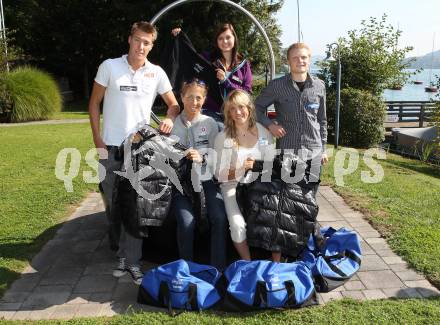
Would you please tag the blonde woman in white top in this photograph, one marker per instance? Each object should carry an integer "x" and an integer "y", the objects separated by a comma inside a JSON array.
[{"x": 241, "y": 143}]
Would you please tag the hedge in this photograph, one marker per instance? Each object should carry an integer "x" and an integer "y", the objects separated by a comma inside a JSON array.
[{"x": 361, "y": 118}]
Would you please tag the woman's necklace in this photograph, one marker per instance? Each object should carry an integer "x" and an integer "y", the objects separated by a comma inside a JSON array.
[{"x": 242, "y": 133}]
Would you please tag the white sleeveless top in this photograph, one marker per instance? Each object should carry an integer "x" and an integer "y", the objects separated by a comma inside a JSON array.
[
  {"x": 243, "y": 153},
  {"x": 228, "y": 157}
]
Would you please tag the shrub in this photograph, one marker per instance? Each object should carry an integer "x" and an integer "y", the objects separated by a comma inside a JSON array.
[
  {"x": 436, "y": 115},
  {"x": 370, "y": 58},
  {"x": 32, "y": 94},
  {"x": 436, "y": 122},
  {"x": 361, "y": 118},
  {"x": 5, "y": 103},
  {"x": 258, "y": 84}
]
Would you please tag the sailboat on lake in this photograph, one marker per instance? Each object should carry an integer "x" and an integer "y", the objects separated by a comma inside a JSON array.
[{"x": 431, "y": 88}]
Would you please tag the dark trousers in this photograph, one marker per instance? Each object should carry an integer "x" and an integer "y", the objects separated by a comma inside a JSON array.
[{"x": 127, "y": 246}]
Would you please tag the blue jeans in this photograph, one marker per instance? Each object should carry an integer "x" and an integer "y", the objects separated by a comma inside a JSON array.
[{"x": 186, "y": 224}]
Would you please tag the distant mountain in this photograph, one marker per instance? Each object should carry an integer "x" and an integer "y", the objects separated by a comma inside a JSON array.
[{"x": 425, "y": 61}]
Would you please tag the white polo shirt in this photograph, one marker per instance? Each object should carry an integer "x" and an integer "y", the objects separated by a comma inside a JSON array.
[{"x": 129, "y": 96}]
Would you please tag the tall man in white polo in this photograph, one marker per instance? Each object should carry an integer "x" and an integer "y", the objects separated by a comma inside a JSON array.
[{"x": 128, "y": 85}]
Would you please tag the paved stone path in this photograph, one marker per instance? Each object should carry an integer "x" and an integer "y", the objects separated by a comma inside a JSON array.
[
  {"x": 71, "y": 276},
  {"x": 64, "y": 121}
]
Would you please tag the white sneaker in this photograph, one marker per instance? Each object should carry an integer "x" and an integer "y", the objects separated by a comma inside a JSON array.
[
  {"x": 121, "y": 268},
  {"x": 136, "y": 274}
]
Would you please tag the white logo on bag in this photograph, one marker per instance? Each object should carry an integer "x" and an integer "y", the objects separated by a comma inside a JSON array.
[
  {"x": 177, "y": 284},
  {"x": 274, "y": 280}
]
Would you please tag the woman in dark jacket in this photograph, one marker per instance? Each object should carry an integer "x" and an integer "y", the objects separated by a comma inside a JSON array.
[{"x": 233, "y": 71}]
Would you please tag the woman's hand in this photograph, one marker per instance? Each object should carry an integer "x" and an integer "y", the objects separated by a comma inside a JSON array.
[
  {"x": 193, "y": 154},
  {"x": 176, "y": 31},
  {"x": 249, "y": 164},
  {"x": 221, "y": 75}
]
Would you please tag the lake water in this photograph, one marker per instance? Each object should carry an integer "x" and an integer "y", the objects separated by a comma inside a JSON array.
[{"x": 410, "y": 91}]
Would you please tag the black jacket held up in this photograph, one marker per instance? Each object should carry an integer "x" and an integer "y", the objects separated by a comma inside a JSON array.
[
  {"x": 145, "y": 201},
  {"x": 181, "y": 62}
]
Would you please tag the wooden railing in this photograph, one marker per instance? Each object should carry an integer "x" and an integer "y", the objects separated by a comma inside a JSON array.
[{"x": 409, "y": 111}]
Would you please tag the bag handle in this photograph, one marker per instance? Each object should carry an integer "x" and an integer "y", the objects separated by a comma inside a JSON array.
[
  {"x": 346, "y": 253},
  {"x": 212, "y": 271},
  {"x": 335, "y": 269},
  {"x": 192, "y": 297},
  {"x": 330, "y": 232},
  {"x": 291, "y": 299},
  {"x": 260, "y": 294},
  {"x": 164, "y": 297}
]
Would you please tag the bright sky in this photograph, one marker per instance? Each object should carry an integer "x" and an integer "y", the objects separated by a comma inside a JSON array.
[{"x": 323, "y": 21}]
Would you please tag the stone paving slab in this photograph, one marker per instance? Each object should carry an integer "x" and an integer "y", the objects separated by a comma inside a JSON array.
[
  {"x": 71, "y": 276},
  {"x": 63, "y": 121}
]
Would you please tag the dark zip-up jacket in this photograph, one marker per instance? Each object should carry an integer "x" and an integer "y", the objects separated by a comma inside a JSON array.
[
  {"x": 136, "y": 210},
  {"x": 280, "y": 216}
]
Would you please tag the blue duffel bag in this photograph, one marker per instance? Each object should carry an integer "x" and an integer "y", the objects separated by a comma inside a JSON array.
[
  {"x": 181, "y": 285},
  {"x": 334, "y": 258},
  {"x": 265, "y": 284}
]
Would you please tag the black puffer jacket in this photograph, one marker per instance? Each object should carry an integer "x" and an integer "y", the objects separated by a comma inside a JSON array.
[
  {"x": 142, "y": 195},
  {"x": 280, "y": 216}
]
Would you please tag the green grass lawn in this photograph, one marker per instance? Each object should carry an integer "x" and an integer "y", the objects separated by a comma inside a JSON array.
[
  {"x": 404, "y": 206},
  {"x": 79, "y": 110},
  {"x": 32, "y": 199},
  {"x": 69, "y": 115}
]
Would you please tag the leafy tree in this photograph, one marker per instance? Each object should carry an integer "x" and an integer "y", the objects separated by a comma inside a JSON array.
[
  {"x": 370, "y": 58},
  {"x": 9, "y": 54},
  {"x": 207, "y": 16},
  {"x": 71, "y": 37}
]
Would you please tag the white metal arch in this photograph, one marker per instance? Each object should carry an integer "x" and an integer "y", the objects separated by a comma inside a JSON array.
[{"x": 228, "y": 2}]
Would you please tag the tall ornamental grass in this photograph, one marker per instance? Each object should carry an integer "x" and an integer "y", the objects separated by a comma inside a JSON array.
[{"x": 33, "y": 94}]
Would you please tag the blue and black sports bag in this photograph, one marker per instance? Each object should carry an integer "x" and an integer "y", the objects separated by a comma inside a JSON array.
[
  {"x": 265, "y": 284},
  {"x": 181, "y": 285},
  {"x": 335, "y": 259}
]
